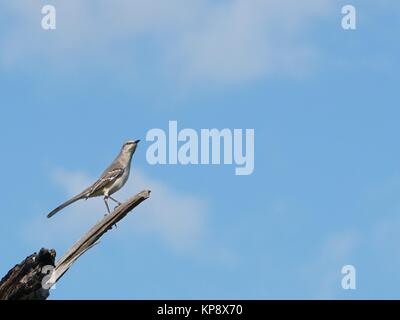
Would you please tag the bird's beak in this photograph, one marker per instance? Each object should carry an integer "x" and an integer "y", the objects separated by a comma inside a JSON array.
[{"x": 137, "y": 141}]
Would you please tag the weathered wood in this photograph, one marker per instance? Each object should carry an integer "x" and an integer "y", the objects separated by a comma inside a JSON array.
[
  {"x": 25, "y": 281},
  {"x": 95, "y": 233}
]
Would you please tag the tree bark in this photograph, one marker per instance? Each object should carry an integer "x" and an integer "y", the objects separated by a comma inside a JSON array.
[{"x": 26, "y": 281}]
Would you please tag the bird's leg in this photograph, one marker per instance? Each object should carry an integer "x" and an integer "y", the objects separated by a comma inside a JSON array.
[
  {"x": 106, "y": 202},
  {"x": 116, "y": 201},
  {"x": 118, "y": 204}
]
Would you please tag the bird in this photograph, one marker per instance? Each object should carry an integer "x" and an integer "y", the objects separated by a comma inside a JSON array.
[{"x": 110, "y": 181}]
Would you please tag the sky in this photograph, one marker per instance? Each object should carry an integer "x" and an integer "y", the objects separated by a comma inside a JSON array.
[{"x": 324, "y": 106}]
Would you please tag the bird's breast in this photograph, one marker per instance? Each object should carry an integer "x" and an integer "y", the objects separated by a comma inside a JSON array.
[{"x": 119, "y": 183}]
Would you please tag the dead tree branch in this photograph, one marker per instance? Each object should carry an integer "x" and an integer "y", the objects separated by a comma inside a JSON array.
[
  {"x": 94, "y": 234},
  {"x": 24, "y": 281}
]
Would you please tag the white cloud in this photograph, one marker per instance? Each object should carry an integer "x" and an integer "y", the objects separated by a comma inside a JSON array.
[
  {"x": 221, "y": 41},
  {"x": 244, "y": 40},
  {"x": 177, "y": 219}
]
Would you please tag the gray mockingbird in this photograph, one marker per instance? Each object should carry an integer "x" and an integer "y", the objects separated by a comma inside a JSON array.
[{"x": 112, "y": 179}]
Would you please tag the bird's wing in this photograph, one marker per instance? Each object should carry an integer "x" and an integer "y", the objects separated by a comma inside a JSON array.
[{"x": 107, "y": 177}]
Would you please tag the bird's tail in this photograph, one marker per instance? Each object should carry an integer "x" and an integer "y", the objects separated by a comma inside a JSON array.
[{"x": 65, "y": 204}]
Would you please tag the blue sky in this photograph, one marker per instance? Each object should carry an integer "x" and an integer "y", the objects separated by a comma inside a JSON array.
[{"x": 324, "y": 106}]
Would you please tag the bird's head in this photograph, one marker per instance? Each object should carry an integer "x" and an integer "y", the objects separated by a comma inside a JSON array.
[{"x": 130, "y": 146}]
